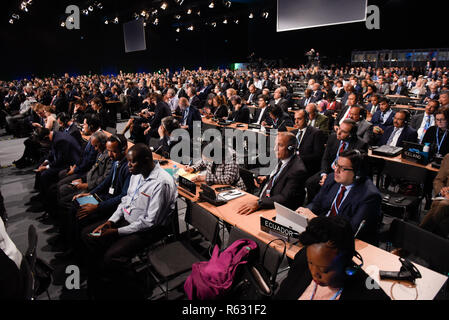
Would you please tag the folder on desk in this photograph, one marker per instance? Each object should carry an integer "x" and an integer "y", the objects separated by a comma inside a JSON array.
[{"x": 231, "y": 194}]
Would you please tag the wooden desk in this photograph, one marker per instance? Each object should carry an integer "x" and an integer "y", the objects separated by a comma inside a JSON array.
[
  {"x": 375, "y": 259},
  {"x": 407, "y": 107},
  {"x": 406, "y": 162}
]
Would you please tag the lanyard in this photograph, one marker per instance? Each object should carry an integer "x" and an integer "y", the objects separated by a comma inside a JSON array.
[
  {"x": 439, "y": 143},
  {"x": 137, "y": 189},
  {"x": 113, "y": 174},
  {"x": 333, "y": 298}
]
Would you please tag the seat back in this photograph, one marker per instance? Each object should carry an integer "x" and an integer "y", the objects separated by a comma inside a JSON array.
[
  {"x": 269, "y": 257},
  {"x": 421, "y": 243},
  {"x": 27, "y": 280},
  {"x": 204, "y": 222}
]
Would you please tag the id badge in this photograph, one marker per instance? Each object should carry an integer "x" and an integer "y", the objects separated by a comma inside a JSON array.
[
  {"x": 268, "y": 193},
  {"x": 111, "y": 190}
]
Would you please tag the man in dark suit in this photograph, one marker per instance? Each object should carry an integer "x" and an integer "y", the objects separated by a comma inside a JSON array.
[
  {"x": 262, "y": 113},
  {"x": 424, "y": 120},
  {"x": 285, "y": 185},
  {"x": 266, "y": 82},
  {"x": 302, "y": 104},
  {"x": 279, "y": 100},
  {"x": 280, "y": 119},
  {"x": 432, "y": 93},
  {"x": 194, "y": 101},
  {"x": 189, "y": 114},
  {"x": 317, "y": 94},
  {"x": 310, "y": 142},
  {"x": 364, "y": 128},
  {"x": 344, "y": 139},
  {"x": 241, "y": 111},
  {"x": 348, "y": 90},
  {"x": 382, "y": 118},
  {"x": 65, "y": 152},
  {"x": 166, "y": 142},
  {"x": 161, "y": 111},
  {"x": 400, "y": 131},
  {"x": 400, "y": 89},
  {"x": 60, "y": 102},
  {"x": 68, "y": 125},
  {"x": 251, "y": 95},
  {"x": 205, "y": 90},
  {"x": 347, "y": 193}
]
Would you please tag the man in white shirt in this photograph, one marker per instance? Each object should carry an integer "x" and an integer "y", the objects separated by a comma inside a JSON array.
[
  {"x": 142, "y": 217},
  {"x": 172, "y": 99}
]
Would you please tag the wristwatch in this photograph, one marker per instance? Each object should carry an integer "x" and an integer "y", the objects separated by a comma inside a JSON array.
[{"x": 259, "y": 203}]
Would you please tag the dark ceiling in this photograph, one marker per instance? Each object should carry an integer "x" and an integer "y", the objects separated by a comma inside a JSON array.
[{"x": 37, "y": 44}]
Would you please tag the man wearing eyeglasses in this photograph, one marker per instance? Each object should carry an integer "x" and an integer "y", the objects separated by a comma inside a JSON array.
[{"x": 348, "y": 193}]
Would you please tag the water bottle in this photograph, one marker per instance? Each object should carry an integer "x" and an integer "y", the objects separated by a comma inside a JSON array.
[{"x": 175, "y": 173}]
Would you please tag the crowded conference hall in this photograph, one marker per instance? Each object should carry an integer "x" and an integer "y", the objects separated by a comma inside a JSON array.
[{"x": 240, "y": 151}]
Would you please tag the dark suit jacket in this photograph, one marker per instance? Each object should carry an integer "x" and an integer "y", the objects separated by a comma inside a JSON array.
[
  {"x": 416, "y": 120},
  {"x": 254, "y": 97},
  {"x": 121, "y": 183},
  {"x": 430, "y": 137},
  {"x": 242, "y": 115},
  {"x": 193, "y": 115},
  {"x": 65, "y": 151},
  {"x": 221, "y": 112},
  {"x": 283, "y": 122},
  {"x": 330, "y": 153},
  {"x": 288, "y": 188},
  {"x": 265, "y": 116},
  {"x": 196, "y": 102},
  {"x": 75, "y": 132},
  {"x": 311, "y": 149},
  {"x": 161, "y": 111},
  {"x": 61, "y": 104},
  {"x": 283, "y": 103},
  {"x": 403, "y": 91},
  {"x": 407, "y": 134},
  {"x": 303, "y": 102},
  {"x": 299, "y": 278},
  {"x": 88, "y": 159},
  {"x": 164, "y": 146},
  {"x": 317, "y": 96},
  {"x": 375, "y": 120},
  {"x": 361, "y": 203}
]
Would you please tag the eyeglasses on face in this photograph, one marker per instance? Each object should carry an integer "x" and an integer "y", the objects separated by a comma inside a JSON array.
[{"x": 339, "y": 167}]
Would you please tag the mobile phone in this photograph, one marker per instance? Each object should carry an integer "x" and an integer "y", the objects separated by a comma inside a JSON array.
[
  {"x": 95, "y": 234},
  {"x": 220, "y": 189}
]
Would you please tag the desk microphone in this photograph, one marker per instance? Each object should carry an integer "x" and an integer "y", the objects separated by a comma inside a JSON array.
[{"x": 362, "y": 224}]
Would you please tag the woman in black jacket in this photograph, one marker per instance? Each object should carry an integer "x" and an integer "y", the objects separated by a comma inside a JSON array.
[{"x": 323, "y": 269}]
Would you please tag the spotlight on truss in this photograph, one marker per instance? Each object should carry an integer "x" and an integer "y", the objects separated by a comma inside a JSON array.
[
  {"x": 85, "y": 12},
  {"x": 265, "y": 15},
  {"x": 143, "y": 13},
  {"x": 116, "y": 20},
  {"x": 251, "y": 15},
  {"x": 177, "y": 17},
  {"x": 11, "y": 21},
  {"x": 178, "y": 30},
  {"x": 91, "y": 8},
  {"x": 225, "y": 21},
  {"x": 227, "y": 4},
  {"x": 164, "y": 5},
  {"x": 211, "y": 5},
  {"x": 190, "y": 28},
  {"x": 189, "y": 11}
]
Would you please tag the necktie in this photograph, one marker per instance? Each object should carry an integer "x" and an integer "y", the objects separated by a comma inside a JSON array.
[
  {"x": 299, "y": 136},
  {"x": 382, "y": 115},
  {"x": 185, "y": 117},
  {"x": 390, "y": 139},
  {"x": 267, "y": 191},
  {"x": 337, "y": 203},
  {"x": 340, "y": 150}
]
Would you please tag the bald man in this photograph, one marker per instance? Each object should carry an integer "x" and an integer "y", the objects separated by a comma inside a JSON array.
[{"x": 285, "y": 184}]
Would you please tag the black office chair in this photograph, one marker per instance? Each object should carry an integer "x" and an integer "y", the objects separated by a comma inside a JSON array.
[
  {"x": 392, "y": 180},
  {"x": 173, "y": 259},
  {"x": 421, "y": 245},
  {"x": 40, "y": 271},
  {"x": 270, "y": 259}
]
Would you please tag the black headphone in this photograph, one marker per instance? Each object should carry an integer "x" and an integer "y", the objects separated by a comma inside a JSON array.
[
  {"x": 292, "y": 147},
  {"x": 407, "y": 116},
  {"x": 121, "y": 140},
  {"x": 358, "y": 173}
]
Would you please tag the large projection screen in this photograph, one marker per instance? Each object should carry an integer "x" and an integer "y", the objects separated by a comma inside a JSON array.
[
  {"x": 303, "y": 14},
  {"x": 134, "y": 35}
]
